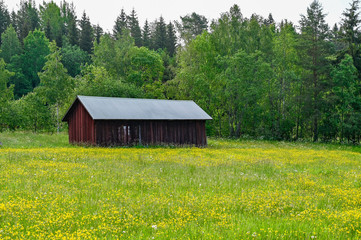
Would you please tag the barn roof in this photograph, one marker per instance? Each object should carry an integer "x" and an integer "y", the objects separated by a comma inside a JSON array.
[{"x": 111, "y": 108}]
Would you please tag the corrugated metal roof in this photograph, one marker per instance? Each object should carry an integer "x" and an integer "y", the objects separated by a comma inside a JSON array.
[{"x": 110, "y": 108}]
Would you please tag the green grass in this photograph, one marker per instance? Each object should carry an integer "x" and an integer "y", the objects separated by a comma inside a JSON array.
[{"x": 230, "y": 190}]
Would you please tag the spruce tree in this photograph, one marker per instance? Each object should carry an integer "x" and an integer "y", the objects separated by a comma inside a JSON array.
[
  {"x": 160, "y": 35},
  {"x": 135, "y": 31},
  {"x": 98, "y": 32},
  {"x": 27, "y": 19},
  {"x": 4, "y": 18},
  {"x": 146, "y": 38},
  {"x": 350, "y": 33},
  {"x": 171, "y": 39},
  {"x": 120, "y": 24},
  {"x": 86, "y": 34}
]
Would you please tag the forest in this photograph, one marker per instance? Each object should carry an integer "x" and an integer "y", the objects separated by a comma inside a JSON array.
[{"x": 257, "y": 78}]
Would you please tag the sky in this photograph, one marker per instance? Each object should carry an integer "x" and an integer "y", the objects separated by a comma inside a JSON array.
[{"x": 105, "y": 12}]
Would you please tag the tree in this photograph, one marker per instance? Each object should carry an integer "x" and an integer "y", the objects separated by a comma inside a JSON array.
[
  {"x": 96, "y": 81},
  {"x": 347, "y": 100},
  {"x": 56, "y": 85},
  {"x": 113, "y": 54},
  {"x": 171, "y": 44},
  {"x": 135, "y": 31},
  {"x": 70, "y": 21},
  {"x": 30, "y": 62},
  {"x": 52, "y": 22},
  {"x": 146, "y": 71},
  {"x": 146, "y": 38},
  {"x": 284, "y": 105},
  {"x": 10, "y": 44},
  {"x": 120, "y": 24},
  {"x": 4, "y": 18},
  {"x": 35, "y": 114},
  {"x": 6, "y": 94},
  {"x": 98, "y": 32},
  {"x": 159, "y": 36},
  {"x": 315, "y": 49},
  {"x": 191, "y": 26},
  {"x": 73, "y": 59},
  {"x": 86, "y": 34},
  {"x": 350, "y": 33},
  {"x": 27, "y": 18}
]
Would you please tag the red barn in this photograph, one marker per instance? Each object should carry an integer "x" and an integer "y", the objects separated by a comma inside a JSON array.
[{"x": 127, "y": 121}]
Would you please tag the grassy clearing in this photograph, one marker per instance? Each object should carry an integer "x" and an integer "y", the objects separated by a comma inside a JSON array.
[{"x": 231, "y": 190}]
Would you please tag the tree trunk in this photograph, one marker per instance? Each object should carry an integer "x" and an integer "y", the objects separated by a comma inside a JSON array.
[{"x": 57, "y": 118}]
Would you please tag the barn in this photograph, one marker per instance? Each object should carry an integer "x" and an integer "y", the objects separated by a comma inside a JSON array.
[{"x": 107, "y": 121}]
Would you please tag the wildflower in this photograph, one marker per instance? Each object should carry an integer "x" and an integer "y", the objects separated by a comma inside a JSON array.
[{"x": 154, "y": 227}]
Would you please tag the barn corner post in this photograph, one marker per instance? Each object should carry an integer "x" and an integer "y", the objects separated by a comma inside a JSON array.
[{"x": 109, "y": 121}]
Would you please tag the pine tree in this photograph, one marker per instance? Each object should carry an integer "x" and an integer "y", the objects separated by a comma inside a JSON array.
[
  {"x": 135, "y": 31},
  {"x": 315, "y": 49},
  {"x": 146, "y": 38},
  {"x": 86, "y": 34},
  {"x": 171, "y": 39},
  {"x": 160, "y": 35},
  {"x": 120, "y": 24},
  {"x": 191, "y": 26}
]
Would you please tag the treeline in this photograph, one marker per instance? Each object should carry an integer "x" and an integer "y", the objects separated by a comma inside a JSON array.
[{"x": 254, "y": 76}]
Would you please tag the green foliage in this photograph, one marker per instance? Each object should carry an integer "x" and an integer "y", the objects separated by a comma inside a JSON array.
[
  {"x": 27, "y": 18},
  {"x": 191, "y": 26},
  {"x": 4, "y": 19},
  {"x": 10, "y": 44},
  {"x": 96, "y": 81},
  {"x": 159, "y": 36},
  {"x": 36, "y": 48},
  {"x": 346, "y": 99},
  {"x": 73, "y": 58},
  {"x": 6, "y": 94},
  {"x": 52, "y": 22},
  {"x": 314, "y": 51},
  {"x": 171, "y": 45},
  {"x": 56, "y": 85},
  {"x": 134, "y": 27},
  {"x": 86, "y": 34},
  {"x": 120, "y": 25},
  {"x": 34, "y": 114}
]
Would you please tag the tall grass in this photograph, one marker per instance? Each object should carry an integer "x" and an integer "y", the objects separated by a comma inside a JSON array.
[{"x": 230, "y": 190}]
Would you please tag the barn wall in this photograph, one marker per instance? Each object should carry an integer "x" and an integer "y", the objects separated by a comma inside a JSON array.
[
  {"x": 81, "y": 126},
  {"x": 150, "y": 132}
]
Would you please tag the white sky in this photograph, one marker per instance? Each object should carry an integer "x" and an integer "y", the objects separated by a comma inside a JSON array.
[{"x": 104, "y": 12}]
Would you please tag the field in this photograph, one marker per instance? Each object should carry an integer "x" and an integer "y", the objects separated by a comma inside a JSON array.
[{"x": 230, "y": 190}]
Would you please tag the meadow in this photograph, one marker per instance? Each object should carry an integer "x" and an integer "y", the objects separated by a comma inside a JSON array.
[{"x": 233, "y": 189}]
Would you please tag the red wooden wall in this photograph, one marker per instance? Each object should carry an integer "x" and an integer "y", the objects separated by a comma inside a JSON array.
[
  {"x": 151, "y": 132},
  {"x": 81, "y": 125}
]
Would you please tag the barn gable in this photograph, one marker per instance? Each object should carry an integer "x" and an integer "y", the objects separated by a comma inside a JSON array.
[{"x": 127, "y": 121}]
